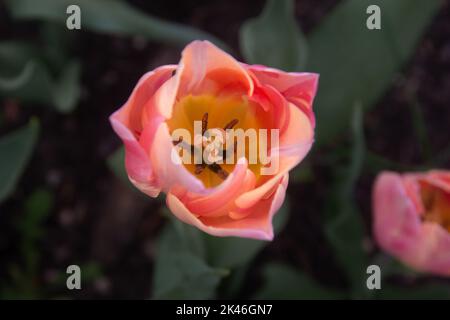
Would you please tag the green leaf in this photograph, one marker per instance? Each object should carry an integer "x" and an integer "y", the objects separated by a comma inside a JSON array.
[
  {"x": 26, "y": 77},
  {"x": 20, "y": 80},
  {"x": 232, "y": 252},
  {"x": 67, "y": 90},
  {"x": 109, "y": 16},
  {"x": 344, "y": 227},
  {"x": 359, "y": 64},
  {"x": 274, "y": 38},
  {"x": 181, "y": 271},
  {"x": 15, "y": 152},
  {"x": 284, "y": 282}
]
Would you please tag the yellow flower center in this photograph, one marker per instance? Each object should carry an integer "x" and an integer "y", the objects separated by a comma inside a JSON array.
[
  {"x": 219, "y": 113},
  {"x": 437, "y": 205}
]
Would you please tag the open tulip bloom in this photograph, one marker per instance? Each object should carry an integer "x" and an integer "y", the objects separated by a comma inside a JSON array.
[
  {"x": 218, "y": 137},
  {"x": 412, "y": 218}
]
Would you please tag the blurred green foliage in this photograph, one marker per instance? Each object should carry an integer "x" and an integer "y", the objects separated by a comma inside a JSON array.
[
  {"x": 191, "y": 264},
  {"x": 359, "y": 64},
  {"x": 181, "y": 271},
  {"x": 113, "y": 17},
  {"x": 25, "y": 75},
  {"x": 274, "y": 38},
  {"x": 285, "y": 282},
  {"x": 344, "y": 226}
]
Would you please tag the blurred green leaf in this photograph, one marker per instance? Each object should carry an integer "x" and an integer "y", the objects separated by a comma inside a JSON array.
[
  {"x": 232, "y": 252},
  {"x": 284, "y": 282},
  {"x": 67, "y": 90},
  {"x": 344, "y": 227},
  {"x": 15, "y": 152},
  {"x": 110, "y": 16},
  {"x": 180, "y": 270},
  {"x": 437, "y": 291},
  {"x": 25, "y": 76},
  {"x": 116, "y": 163},
  {"x": 18, "y": 81},
  {"x": 274, "y": 38},
  {"x": 356, "y": 63}
]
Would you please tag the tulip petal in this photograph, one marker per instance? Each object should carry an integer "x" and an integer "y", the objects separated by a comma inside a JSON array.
[
  {"x": 201, "y": 61},
  {"x": 127, "y": 124},
  {"x": 257, "y": 225},
  {"x": 398, "y": 227}
]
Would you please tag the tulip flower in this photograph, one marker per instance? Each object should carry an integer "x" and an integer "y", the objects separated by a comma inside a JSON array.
[
  {"x": 175, "y": 127},
  {"x": 412, "y": 218}
]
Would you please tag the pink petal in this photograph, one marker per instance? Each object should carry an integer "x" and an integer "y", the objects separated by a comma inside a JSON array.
[
  {"x": 399, "y": 230},
  {"x": 202, "y": 63},
  {"x": 127, "y": 124},
  {"x": 298, "y": 88},
  {"x": 295, "y": 144},
  {"x": 257, "y": 225},
  {"x": 213, "y": 203}
]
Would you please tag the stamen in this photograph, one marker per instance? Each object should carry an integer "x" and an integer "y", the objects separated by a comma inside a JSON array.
[
  {"x": 199, "y": 168},
  {"x": 231, "y": 124},
  {"x": 180, "y": 139},
  {"x": 217, "y": 169},
  {"x": 204, "y": 123}
]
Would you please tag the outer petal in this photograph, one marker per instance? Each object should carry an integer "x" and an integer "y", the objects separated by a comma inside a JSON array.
[
  {"x": 127, "y": 123},
  {"x": 298, "y": 88},
  {"x": 396, "y": 220},
  {"x": 203, "y": 67},
  {"x": 257, "y": 225}
]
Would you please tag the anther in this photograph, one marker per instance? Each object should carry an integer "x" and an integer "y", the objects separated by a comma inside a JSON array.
[
  {"x": 231, "y": 124},
  {"x": 199, "y": 168},
  {"x": 204, "y": 123},
  {"x": 217, "y": 169}
]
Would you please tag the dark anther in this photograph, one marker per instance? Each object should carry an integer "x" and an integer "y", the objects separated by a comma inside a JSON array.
[
  {"x": 180, "y": 139},
  {"x": 217, "y": 169},
  {"x": 204, "y": 123},
  {"x": 199, "y": 168},
  {"x": 231, "y": 124}
]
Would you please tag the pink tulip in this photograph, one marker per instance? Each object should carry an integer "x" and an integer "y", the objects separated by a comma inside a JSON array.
[
  {"x": 412, "y": 219},
  {"x": 209, "y": 84}
]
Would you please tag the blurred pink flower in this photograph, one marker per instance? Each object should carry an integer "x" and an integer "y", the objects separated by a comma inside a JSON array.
[
  {"x": 209, "y": 85},
  {"x": 412, "y": 218}
]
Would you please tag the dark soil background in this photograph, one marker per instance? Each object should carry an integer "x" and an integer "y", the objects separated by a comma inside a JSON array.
[{"x": 96, "y": 217}]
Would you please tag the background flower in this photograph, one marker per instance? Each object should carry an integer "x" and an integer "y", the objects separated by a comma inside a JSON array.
[{"x": 412, "y": 218}]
